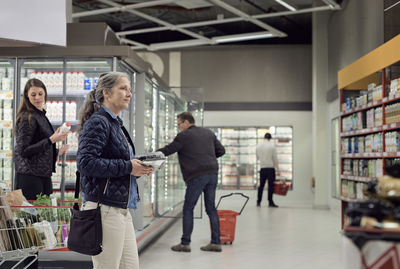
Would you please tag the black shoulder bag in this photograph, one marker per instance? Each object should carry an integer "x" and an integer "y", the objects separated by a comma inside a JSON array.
[{"x": 85, "y": 232}]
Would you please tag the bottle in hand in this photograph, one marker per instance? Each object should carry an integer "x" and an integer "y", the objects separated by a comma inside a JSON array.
[{"x": 65, "y": 127}]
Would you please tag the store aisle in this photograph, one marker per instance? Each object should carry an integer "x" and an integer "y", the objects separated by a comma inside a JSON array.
[{"x": 285, "y": 238}]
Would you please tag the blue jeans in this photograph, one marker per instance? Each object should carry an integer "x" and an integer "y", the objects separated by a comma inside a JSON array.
[{"x": 194, "y": 188}]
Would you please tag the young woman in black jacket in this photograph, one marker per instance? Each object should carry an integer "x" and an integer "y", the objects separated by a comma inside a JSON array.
[{"x": 35, "y": 151}]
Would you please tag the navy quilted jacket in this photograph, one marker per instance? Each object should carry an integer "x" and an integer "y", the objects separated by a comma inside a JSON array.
[{"x": 103, "y": 154}]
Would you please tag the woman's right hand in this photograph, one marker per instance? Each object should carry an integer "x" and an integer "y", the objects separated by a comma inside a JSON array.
[
  {"x": 58, "y": 136},
  {"x": 138, "y": 169}
]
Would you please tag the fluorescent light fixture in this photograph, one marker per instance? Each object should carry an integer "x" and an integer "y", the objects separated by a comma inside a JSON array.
[
  {"x": 242, "y": 37},
  {"x": 283, "y": 3},
  {"x": 388, "y": 8}
]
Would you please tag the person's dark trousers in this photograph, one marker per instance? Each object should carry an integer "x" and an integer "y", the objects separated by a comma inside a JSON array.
[
  {"x": 194, "y": 188},
  {"x": 266, "y": 173},
  {"x": 33, "y": 185}
]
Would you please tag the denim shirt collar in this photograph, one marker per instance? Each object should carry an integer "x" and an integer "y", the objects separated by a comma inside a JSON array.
[{"x": 109, "y": 112}]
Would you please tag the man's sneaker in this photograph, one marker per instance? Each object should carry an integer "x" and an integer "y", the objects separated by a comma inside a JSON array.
[
  {"x": 181, "y": 248},
  {"x": 212, "y": 247}
]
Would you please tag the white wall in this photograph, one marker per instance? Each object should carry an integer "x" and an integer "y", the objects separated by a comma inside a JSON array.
[{"x": 301, "y": 122}]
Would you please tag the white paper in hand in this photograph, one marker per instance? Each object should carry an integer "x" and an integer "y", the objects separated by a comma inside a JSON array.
[{"x": 154, "y": 159}]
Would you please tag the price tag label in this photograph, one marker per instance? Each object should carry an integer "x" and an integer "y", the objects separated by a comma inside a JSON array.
[
  {"x": 5, "y": 124},
  {"x": 5, "y": 154},
  {"x": 393, "y": 125},
  {"x": 6, "y": 95}
]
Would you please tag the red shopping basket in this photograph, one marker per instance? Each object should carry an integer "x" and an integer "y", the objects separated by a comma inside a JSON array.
[
  {"x": 281, "y": 187},
  {"x": 227, "y": 220}
]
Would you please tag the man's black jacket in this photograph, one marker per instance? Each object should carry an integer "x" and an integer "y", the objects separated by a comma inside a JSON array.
[{"x": 198, "y": 149}]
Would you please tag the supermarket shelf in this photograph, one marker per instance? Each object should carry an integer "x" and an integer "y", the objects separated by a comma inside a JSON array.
[
  {"x": 358, "y": 179},
  {"x": 56, "y": 122},
  {"x": 369, "y": 230},
  {"x": 72, "y": 93},
  {"x": 391, "y": 126},
  {"x": 72, "y": 152},
  {"x": 362, "y": 108},
  {"x": 386, "y": 127},
  {"x": 368, "y": 155},
  {"x": 362, "y": 131},
  {"x": 371, "y": 155}
]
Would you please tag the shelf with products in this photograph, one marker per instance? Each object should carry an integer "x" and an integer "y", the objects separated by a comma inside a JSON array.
[
  {"x": 7, "y": 103},
  {"x": 240, "y": 160},
  {"x": 369, "y": 123}
]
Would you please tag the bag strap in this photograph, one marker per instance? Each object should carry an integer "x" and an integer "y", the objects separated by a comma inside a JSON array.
[{"x": 77, "y": 188}]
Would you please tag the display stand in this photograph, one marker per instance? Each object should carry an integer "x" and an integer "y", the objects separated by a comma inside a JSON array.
[{"x": 370, "y": 134}]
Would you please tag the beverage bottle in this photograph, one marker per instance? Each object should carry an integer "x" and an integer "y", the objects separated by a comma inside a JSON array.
[
  {"x": 73, "y": 110},
  {"x": 68, "y": 110},
  {"x": 69, "y": 81},
  {"x": 81, "y": 81},
  {"x": 65, "y": 127}
]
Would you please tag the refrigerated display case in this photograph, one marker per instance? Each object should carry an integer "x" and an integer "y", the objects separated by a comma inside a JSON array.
[
  {"x": 170, "y": 185},
  {"x": 7, "y": 106},
  {"x": 148, "y": 199},
  {"x": 239, "y": 168}
]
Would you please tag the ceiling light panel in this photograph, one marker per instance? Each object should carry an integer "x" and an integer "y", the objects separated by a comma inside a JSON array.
[{"x": 285, "y": 4}]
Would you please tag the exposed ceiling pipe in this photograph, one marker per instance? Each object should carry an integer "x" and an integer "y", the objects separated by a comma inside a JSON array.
[
  {"x": 247, "y": 17},
  {"x": 161, "y": 22},
  {"x": 120, "y": 8},
  {"x": 229, "y": 20},
  {"x": 332, "y": 4}
]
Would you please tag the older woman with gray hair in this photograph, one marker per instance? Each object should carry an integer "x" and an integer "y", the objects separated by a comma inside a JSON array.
[{"x": 105, "y": 162}]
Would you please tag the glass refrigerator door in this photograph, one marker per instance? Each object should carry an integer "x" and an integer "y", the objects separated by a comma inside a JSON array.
[
  {"x": 230, "y": 161},
  {"x": 6, "y": 122},
  {"x": 284, "y": 146},
  {"x": 247, "y": 158},
  {"x": 149, "y": 146},
  {"x": 81, "y": 77},
  {"x": 166, "y": 133},
  {"x": 282, "y": 136}
]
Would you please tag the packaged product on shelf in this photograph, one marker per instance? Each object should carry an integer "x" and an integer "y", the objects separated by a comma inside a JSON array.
[
  {"x": 88, "y": 83},
  {"x": 81, "y": 81}
]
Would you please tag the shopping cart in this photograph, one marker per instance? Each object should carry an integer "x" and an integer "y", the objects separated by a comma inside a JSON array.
[
  {"x": 27, "y": 229},
  {"x": 227, "y": 220},
  {"x": 18, "y": 242}
]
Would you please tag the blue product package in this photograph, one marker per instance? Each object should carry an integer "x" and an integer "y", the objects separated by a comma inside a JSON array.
[
  {"x": 355, "y": 147},
  {"x": 88, "y": 84}
]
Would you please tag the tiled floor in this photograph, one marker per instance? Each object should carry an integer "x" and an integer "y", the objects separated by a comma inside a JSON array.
[{"x": 285, "y": 238}]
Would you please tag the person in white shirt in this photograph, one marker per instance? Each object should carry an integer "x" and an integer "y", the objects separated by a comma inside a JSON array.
[{"x": 266, "y": 154}]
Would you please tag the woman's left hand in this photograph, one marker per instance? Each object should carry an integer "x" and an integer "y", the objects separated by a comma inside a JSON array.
[{"x": 64, "y": 148}]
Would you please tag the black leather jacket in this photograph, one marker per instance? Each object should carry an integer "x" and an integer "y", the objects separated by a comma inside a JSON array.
[{"x": 34, "y": 153}]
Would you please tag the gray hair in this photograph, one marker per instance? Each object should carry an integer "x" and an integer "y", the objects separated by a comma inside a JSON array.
[{"x": 95, "y": 98}]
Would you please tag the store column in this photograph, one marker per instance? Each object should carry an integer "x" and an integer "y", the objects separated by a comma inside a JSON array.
[
  {"x": 319, "y": 109},
  {"x": 175, "y": 72}
]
